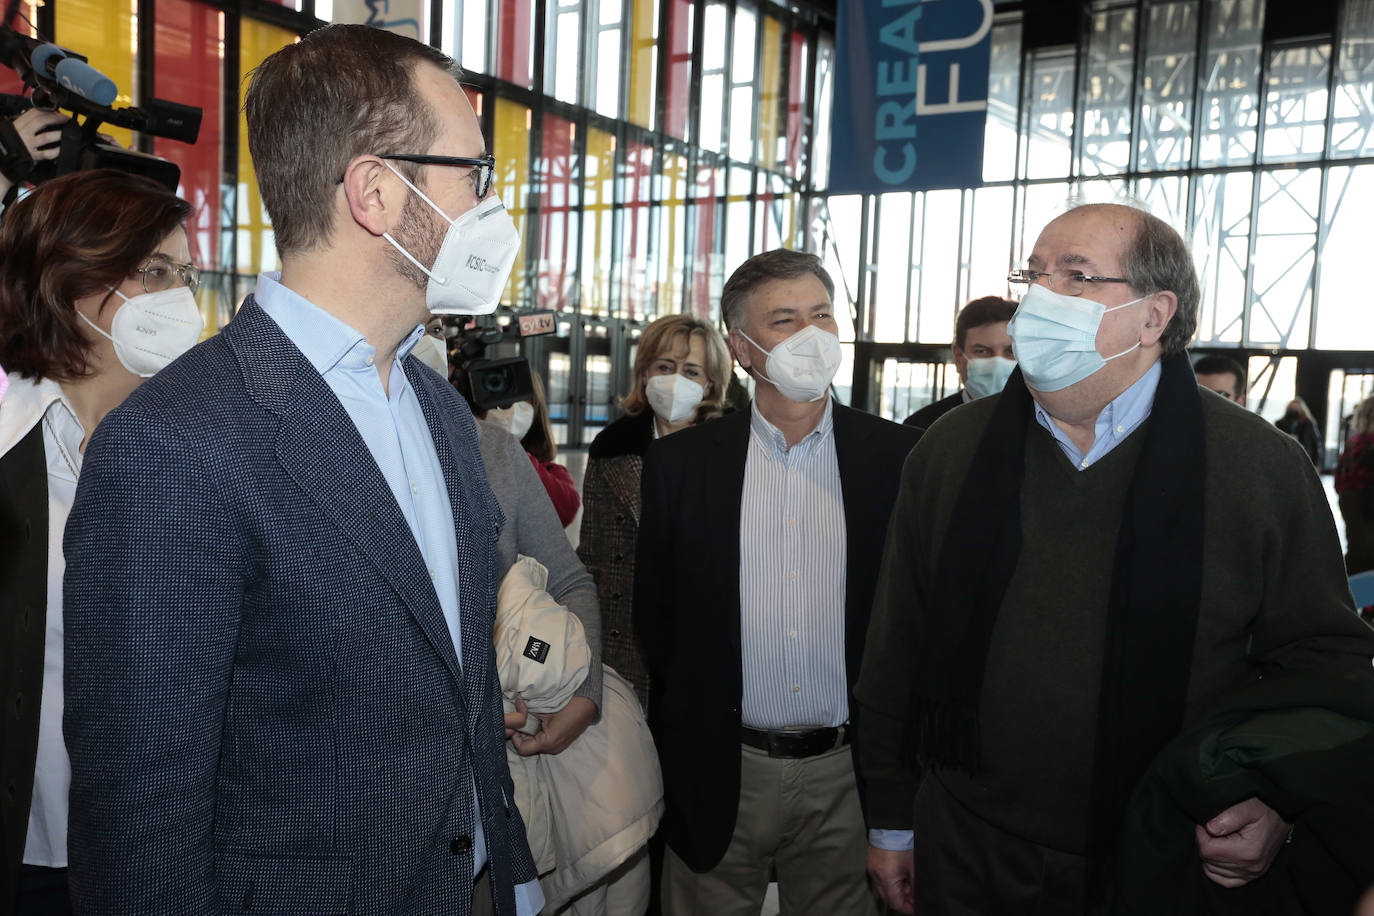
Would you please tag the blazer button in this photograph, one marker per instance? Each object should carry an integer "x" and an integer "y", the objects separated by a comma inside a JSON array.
[
  {"x": 460, "y": 845},
  {"x": 615, "y": 596},
  {"x": 620, "y": 517},
  {"x": 615, "y": 632},
  {"x": 620, "y": 556}
]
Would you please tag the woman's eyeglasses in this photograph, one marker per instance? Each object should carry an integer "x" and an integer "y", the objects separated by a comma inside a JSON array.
[{"x": 160, "y": 273}]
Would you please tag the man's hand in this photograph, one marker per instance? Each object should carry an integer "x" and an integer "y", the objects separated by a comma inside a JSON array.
[
  {"x": 893, "y": 874},
  {"x": 556, "y": 731},
  {"x": 516, "y": 720},
  {"x": 1239, "y": 844}
]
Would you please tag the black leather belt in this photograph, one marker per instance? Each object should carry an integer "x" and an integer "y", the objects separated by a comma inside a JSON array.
[{"x": 795, "y": 743}]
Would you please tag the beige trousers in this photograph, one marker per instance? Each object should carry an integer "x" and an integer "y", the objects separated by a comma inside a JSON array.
[{"x": 798, "y": 819}]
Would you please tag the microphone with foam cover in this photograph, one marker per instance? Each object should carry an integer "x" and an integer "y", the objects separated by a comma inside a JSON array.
[
  {"x": 45, "y": 57},
  {"x": 86, "y": 81},
  {"x": 72, "y": 74}
]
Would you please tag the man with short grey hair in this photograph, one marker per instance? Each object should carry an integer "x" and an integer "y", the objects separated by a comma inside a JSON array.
[
  {"x": 1051, "y": 610},
  {"x": 759, "y": 541}
]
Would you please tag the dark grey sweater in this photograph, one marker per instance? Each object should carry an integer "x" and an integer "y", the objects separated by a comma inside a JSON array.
[{"x": 1274, "y": 595}]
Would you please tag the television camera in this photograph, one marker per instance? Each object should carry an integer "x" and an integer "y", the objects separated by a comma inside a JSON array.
[
  {"x": 58, "y": 78},
  {"x": 490, "y": 384}
]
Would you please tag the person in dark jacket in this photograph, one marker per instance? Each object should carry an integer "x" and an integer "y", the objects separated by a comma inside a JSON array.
[
  {"x": 1298, "y": 422},
  {"x": 70, "y": 274},
  {"x": 983, "y": 357},
  {"x": 758, "y": 548},
  {"x": 681, "y": 373}
]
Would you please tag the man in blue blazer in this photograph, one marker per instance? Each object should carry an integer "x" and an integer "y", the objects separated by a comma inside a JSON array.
[{"x": 280, "y": 691}]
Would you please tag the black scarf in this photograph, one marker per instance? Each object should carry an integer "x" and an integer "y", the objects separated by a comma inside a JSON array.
[{"x": 1155, "y": 590}]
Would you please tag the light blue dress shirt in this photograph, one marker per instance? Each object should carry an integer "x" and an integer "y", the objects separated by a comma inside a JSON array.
[
  {"x": 792, "y": 550},
  {"x": 393, "y": 426},
  {"x": 1118, "y": 420}
]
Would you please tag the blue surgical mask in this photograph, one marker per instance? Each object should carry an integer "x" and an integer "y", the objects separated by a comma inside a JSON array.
[
  {"x": 987, "y": 375},
  {"x": 1055, "y": 337}
]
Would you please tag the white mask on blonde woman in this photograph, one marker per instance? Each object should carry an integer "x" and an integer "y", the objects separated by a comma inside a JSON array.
[{"x": 673, "y": 397}]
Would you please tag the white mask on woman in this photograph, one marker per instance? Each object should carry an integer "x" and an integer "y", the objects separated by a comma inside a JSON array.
[
  {"x": 433, "y": 352},
  {"x": 515, "y": 419},
  {"x": 673, "y": 397},
  {"x": 152, "y": 329}
]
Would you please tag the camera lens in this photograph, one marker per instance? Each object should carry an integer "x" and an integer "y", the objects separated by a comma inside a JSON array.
[{"x": 498, "y": 382}]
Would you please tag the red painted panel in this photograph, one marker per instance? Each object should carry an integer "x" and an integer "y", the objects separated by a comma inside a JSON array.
[{"x": 188, "y": 69}]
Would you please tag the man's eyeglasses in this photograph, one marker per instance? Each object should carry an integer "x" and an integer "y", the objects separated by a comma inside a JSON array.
[
  {"x": 161, "y": 273},
  {"x": 483, "y": 169},
  {"x": 1065, "y": 281}
]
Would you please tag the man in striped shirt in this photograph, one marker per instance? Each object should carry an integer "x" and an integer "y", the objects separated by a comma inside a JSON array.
[{"x": 759, "y": 542}]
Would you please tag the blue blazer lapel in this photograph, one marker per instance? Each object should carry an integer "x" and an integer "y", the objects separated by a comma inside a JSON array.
[
  {"x": 321, "y": 450},
  {"x": 477, "y": 519}
]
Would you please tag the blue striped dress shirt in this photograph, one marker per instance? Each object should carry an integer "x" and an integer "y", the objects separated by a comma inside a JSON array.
[{"x": 792, "y": 549}]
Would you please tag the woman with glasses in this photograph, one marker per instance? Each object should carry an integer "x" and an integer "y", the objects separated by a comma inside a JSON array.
[{"x": 96, "y": 294}]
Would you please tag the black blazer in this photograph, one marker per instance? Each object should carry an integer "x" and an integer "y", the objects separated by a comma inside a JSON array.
[
  {"x": 23, "y": 626},
  {"x": 686, "y": 602},
  {"x": 927, "y": 415}
]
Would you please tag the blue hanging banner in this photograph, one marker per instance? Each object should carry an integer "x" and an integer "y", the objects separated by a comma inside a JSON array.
[{"x": 911, "y": 95}]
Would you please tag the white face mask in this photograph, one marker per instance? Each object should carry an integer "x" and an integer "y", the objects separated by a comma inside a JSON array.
[
  {"x": 474, "y": 260},
  {"x": 433, "y": 352},
  {"x": 515, "y": 419},
  {"x": 152, "y": 329},
  {"x": 673, "y": 397},
  {"x": 1055, "y": 337},
  {"x": 988, "y": 375},
  {"x": 803, "y": 365}
]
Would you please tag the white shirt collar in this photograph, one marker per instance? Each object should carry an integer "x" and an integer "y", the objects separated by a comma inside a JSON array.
[{"x": 25, "y": 403}]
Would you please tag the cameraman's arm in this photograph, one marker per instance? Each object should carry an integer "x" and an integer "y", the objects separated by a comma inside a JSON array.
[{"x": 32, "y": 127}]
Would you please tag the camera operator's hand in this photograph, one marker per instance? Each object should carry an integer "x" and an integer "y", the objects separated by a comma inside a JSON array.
[{"x": 32, "y": 127}]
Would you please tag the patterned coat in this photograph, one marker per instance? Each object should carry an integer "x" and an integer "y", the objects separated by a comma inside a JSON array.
[
  {"x": 264, "y": 708},
  {"x": 610, "y": 528}
]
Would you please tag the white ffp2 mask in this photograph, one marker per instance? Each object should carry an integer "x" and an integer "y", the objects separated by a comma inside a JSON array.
[
  {"x": 474, "y": 260},
  {"x": 673, "y": 397},
  {"x": 802, "y": 366},
  {"x": 152, "y": 329}
]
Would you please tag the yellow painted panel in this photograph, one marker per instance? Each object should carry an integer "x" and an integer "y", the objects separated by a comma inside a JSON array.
[
  {"x": 257, "y": 249},
  {"x": 643, "y": 56},
  {"x": 105, "y": 31},
  {"x": 770, "y": 97},
  {"x": 512, "y": 151},
  {"x": 598, "y": 200}
]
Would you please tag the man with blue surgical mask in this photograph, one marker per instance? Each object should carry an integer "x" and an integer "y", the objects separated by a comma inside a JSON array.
[
  {"x": 983, "y": 357},
  {"x": 284, "y": 697},
  {"x": 759, "y": 540},
  {"x": 1050, "y": 614}
]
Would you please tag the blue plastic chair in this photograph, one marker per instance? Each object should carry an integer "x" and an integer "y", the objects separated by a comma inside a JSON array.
[{"x": 1362, "y": 587}]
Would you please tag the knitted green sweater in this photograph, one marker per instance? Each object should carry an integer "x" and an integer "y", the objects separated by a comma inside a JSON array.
[{"x": 1274, "y": 596}]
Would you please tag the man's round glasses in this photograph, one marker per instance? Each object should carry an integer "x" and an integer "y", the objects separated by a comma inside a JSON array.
[
  {"x": 1065, "y": 281},
  {"x": 483, "y": 169},
  {"x": 161, "y": 273}
]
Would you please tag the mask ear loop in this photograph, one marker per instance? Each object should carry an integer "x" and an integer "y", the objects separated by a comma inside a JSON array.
[
  {"x": 442, "y": 281},
  {"x": 1138, "y": 344}
]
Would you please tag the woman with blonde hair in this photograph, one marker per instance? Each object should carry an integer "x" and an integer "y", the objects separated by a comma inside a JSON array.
[{"x": 681, "y": 371}]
